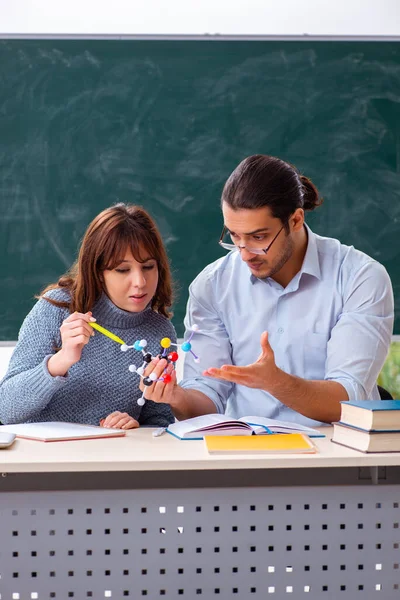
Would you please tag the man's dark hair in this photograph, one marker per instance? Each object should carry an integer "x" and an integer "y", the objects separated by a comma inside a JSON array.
[{"x": 262, "y": 180}]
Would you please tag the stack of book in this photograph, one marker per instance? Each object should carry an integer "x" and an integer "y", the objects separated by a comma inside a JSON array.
[{"x": 369, "y": 426}]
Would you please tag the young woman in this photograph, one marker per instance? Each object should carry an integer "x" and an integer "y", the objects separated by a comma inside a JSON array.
[{"x": 64, "y": 370}]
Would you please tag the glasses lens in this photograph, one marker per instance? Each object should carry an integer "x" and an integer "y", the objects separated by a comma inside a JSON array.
[
  {"x": 259, "y": 251},
  {"x": 227, "y": 243},
  {"x": 228, "y": 246}
]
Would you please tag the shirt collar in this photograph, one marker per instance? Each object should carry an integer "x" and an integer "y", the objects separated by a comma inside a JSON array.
[{"x": 311, "y": 260}]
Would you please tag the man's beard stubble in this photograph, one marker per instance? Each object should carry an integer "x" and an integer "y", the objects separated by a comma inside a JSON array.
[{"x": 281, "y": 260}]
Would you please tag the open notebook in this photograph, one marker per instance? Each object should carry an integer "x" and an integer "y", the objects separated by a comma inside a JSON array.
[
  {"x": 215, "y": 424},
  {"x": 57, "y": 431}
]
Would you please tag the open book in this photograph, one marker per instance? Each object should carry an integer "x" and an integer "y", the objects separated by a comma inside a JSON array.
[
  {"x": 57, "y": 431},
  {"x": 215, "y": 424}
]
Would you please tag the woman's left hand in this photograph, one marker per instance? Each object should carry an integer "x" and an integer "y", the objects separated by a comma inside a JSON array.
[{"x": 119, "y": 420}]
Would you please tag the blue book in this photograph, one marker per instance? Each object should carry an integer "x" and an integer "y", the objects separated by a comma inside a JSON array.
[{"x": 371, "y": 414}]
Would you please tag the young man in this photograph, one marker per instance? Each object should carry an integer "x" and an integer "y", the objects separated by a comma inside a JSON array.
[{"x": 321, "y": 311}]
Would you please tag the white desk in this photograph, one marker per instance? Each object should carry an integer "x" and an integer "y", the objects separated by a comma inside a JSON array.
[
  {"x": 150, "y": 517},
  {"x": 140, "y": 451}
]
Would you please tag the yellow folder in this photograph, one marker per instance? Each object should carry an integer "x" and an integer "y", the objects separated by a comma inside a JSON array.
[{"x": 277, "y": 443}]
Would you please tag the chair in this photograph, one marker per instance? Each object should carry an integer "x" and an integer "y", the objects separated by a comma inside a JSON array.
[{"x": 384, "y": 394}]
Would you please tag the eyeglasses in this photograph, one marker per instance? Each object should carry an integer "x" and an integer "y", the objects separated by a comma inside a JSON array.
[{"x": 251, "y": 250}]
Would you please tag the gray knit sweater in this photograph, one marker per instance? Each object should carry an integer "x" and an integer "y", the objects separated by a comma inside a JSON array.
[{"x": 94, "y": 387}]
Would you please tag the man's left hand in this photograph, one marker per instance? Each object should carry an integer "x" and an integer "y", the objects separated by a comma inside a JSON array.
[{"x": 258, "y": 375}]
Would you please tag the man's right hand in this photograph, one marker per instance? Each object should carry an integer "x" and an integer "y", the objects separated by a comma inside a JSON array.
[{"x": 75, "y": 334}]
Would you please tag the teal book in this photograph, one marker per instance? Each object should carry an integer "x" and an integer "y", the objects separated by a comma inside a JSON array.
[{"x": 371, "y": 414}]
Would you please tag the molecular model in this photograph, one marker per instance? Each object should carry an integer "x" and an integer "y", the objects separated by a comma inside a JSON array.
[{"x": 166, "y": 353}]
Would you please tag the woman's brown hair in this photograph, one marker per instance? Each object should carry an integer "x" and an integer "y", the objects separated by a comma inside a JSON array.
[{"x": 108, "y": 237}]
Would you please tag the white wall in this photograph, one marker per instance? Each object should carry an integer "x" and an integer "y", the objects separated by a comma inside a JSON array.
[
  {"x": 5, "y": 355},
  {"x": 229, "y": 17}
]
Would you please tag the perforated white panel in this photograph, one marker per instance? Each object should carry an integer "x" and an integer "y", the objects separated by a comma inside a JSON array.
[{"x": 308, "y": 542}]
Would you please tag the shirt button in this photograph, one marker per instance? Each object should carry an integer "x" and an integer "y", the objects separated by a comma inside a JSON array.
[{"x": 280, "y": 330}]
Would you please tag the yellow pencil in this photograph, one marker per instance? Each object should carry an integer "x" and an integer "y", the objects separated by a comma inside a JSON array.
[{"x": 105, "y": 331}]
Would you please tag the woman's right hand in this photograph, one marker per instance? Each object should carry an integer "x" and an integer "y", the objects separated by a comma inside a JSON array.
[
  {"x": 75, "y": 334},
  {"x": 160, "y": 391}
]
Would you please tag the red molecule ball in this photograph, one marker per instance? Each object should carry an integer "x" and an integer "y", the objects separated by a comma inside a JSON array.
[
  {"x": 166, "y": 378},
  {"x": 173, "y": 356}
]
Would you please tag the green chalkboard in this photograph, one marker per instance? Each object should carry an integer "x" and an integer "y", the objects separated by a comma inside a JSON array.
[{"x": 162, "y": 123}]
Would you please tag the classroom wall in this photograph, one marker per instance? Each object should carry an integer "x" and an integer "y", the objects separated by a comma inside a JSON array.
[
  {"x": 5, "y": 355},
  {"x": 182, "y": 17},
  {"x": 225, "y": 17}
]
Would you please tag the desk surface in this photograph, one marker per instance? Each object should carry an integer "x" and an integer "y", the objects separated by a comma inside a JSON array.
[{"x": 140, "y": 451}]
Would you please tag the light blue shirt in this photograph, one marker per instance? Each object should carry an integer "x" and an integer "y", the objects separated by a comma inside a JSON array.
[{"x": 333, "y": 321}]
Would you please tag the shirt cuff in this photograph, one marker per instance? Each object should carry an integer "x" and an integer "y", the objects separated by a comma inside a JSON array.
[
  {"x": 200, "y": 386},
  {"x": 354, "y": 390}
]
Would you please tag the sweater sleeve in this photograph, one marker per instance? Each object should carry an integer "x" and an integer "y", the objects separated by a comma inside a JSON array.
[
  {"x": 28, "y": 387},
  {"x": 156, "y": 414}
]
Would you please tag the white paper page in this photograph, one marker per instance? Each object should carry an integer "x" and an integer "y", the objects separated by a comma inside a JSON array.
[
  {"x": 54, "y": 430},
  {"x": 275, "y": 424},
  {"x": 181, "y": 427}
]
